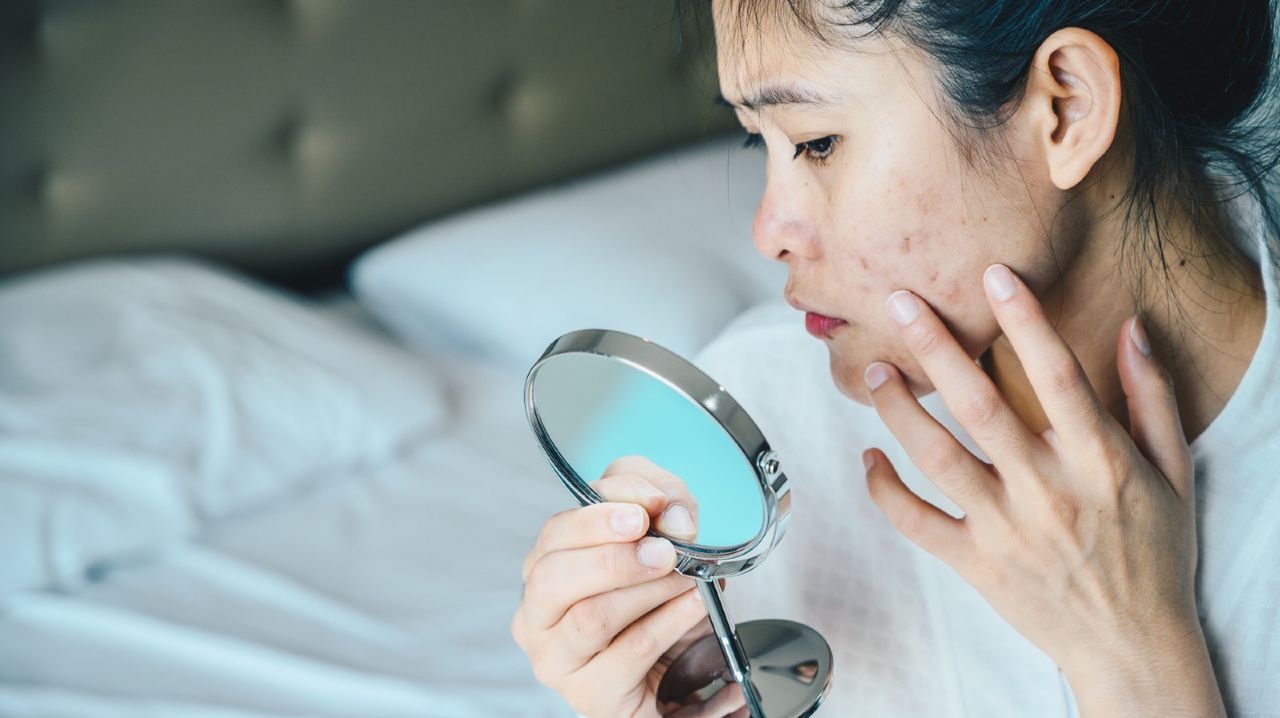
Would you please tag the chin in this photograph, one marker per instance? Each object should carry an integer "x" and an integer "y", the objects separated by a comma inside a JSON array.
[{"x": 849, "y": 381}]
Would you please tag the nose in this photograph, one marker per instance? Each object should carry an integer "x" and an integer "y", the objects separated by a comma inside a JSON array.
[{"x": 781, "y": 228}]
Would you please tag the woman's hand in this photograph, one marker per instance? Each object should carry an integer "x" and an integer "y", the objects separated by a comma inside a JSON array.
[
  {"x": 1080, "y": 536},
  {"x": 603, "y": 614}
]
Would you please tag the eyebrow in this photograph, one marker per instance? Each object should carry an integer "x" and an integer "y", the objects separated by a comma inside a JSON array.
[{"x": 775, "y": 95}]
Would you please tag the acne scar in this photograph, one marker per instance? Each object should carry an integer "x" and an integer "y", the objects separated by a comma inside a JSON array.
[
  {"x": 863, "y": 262},
  {"x": 906, "y": 245},
  {"x": 933, "y": 276}
]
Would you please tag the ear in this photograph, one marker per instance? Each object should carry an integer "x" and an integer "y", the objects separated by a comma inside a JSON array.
[{"x": 1072, "y": 103}]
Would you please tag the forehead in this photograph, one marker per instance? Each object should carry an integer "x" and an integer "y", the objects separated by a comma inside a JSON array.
[
  {"x": 767, "y": 54},
  {"x": 758, "y": 44}
]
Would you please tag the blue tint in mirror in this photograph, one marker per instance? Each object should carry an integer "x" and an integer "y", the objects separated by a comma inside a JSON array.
[{"x": 596, "y": 409}]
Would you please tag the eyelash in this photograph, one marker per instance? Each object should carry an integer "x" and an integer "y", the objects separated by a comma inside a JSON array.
[
  {"x": 811, "y": 147},
  {"x": 816, "y": 155}
]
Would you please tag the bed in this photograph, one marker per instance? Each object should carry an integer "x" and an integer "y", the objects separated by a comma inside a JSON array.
[{"x": 272, "y": 274}]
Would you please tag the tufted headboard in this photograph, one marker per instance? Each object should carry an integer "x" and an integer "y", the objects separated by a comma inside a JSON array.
[{"x": 284, "y": 136}]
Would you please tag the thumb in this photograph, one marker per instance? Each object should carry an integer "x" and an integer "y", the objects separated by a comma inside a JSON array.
[{"x": 1154, "y": 421}]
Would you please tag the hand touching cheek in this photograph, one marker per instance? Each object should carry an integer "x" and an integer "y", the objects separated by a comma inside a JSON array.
[{"x": 1081, "y": 536}]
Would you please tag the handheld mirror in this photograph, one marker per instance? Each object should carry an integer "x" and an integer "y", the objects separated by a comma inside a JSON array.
[{"x": 596, "y": 395}]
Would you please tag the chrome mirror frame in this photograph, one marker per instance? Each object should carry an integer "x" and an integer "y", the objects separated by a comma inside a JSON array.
[{"x": 704, "y": 562}]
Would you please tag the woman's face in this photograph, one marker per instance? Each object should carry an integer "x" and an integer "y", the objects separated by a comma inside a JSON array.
[{"x": 867, "y": 193}]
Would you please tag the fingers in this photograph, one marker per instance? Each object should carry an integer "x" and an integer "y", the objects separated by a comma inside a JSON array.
[
  {"x": 679, "y": 516},
  {"x": 562, "y": 578},
  {"x": 924, "y": 524},
  {"x": 1055, "y": 374},
  {"x": 587, "y": 526},
  {"x": 633, "y": 653},
  {"x": 932, "y": 448},
  {"x": 1154, "y": 421},
  {"x": 591, "y": 624},
  {"x": 968, "y": 392},
  {"x": 632, "y": 489}
]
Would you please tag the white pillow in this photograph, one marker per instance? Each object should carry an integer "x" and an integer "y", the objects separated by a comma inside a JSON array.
[
  {"x": 660, "y": 248},
  {"x": 140, "y": 399}
]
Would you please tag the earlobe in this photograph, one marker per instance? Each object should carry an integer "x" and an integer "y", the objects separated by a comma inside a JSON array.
[{"x": 1074, "y": 85}]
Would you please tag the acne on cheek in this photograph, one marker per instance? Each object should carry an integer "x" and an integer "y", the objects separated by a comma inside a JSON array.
[
  {"x": 951, "y": 294},
  {"x": 944, "y": 292},
  {"x": 948, "y": 293},
  {"x": 870, "y": 268}
]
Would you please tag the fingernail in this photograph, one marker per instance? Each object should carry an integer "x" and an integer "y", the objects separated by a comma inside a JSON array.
[
  {"x": 676, "y": 520},
  {"x": 877, "y": 373},
  {"x": 903, "y": 307},
  {"x": 626, "y": 520},
  {"x": 656, "y": 552},
  {"x": 1138, "y": 336},
  {"x": 868, "y": 460},
  {"x": 999, "y": 281},
  {"x": 693, "y": 598}
]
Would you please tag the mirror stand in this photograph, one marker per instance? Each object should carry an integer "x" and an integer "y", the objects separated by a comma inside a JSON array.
[
  {"x": 739, "y": 666},
  {"x": 792, "y": 663}
]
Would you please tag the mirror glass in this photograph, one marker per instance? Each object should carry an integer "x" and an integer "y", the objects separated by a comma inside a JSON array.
[{"x": 597, "y": 408}]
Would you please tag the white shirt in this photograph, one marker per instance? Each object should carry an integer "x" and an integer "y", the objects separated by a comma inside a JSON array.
[{"x": 909, "y": 636}]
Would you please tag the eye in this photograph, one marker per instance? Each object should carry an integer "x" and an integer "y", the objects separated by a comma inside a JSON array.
[
  {"x": 818, "y": 150},
  {"x": 753, "y": 140}
]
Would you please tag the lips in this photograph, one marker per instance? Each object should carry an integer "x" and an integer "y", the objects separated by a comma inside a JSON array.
[
  {"x": 818, "y": 324},
  {"x": 821, "y": 325}
]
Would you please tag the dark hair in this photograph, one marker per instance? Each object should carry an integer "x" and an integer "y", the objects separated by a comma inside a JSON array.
[{"x": 1195, "y": 74}]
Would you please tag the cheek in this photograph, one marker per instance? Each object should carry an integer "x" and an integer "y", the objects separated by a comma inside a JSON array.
[
  {"x": 906, "y": 216},
  {"x": 921, "y": 240},
  {"x": 924, "y": 242}
]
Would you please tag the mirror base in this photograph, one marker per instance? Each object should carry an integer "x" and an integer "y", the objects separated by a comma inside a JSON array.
[{"x": 790, "y": 667}]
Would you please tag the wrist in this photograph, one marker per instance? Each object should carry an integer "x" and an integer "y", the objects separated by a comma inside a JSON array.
[{"x": 1162, "y": 671}]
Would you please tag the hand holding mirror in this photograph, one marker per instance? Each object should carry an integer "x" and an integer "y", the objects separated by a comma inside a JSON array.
[{"x": 596, "y": 395}]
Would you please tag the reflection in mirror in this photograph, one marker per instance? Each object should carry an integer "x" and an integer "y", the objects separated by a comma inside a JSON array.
[{"x": 596, "y": 408}]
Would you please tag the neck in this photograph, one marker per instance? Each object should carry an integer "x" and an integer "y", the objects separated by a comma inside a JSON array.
[{"x": 1204, "y": 320}]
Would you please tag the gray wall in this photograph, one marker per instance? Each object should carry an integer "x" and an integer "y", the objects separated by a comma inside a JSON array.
[{"x": 285, "y": 135}]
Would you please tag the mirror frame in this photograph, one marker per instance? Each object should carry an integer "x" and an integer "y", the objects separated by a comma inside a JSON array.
[{"x": 682, "y": 376}]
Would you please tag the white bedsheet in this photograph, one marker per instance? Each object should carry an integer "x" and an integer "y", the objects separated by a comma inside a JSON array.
[
  {"x": 144, "y": 399},
  {"x": 384, "y": 594}
]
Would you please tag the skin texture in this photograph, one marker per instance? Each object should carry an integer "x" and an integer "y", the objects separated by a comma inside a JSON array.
[
  {"x": 896, "y": 205},
  {"x": 1080, "y": 530}
]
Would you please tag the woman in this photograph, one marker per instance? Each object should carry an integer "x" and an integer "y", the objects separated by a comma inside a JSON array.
[{"x": 1042, "y": 185}]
